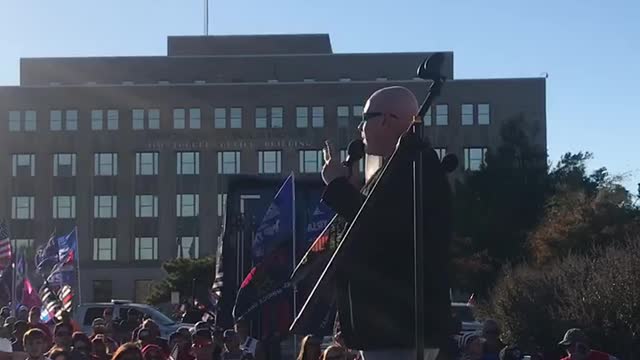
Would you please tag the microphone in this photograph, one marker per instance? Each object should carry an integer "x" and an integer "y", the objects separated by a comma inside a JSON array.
[{"x": 355, "y": 152}]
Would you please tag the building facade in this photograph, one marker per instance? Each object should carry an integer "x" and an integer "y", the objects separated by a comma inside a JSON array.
[{"x": 134, "y": 151}]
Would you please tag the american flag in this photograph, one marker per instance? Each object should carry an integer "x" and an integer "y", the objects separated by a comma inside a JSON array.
[
  {"x": 51, "y": 306},
  {"x": 66, "y": 297},
  {"x": 5, "y": 246}
]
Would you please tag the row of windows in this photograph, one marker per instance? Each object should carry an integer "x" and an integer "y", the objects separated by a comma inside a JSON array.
[
  {"x": 191, "y": 118},
  {"x": 104, "y": 206},
  {"x": 187, "y": 163},
  {"x": 145, "y": 247}
]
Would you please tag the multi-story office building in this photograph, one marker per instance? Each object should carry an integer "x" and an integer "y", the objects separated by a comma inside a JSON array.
[{"x": 135, "y": 150}]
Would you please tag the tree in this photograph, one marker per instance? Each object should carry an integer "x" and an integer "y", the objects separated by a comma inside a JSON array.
[
  {"x": 496, "y": 207},
  {"x": 182, "y": 275}
]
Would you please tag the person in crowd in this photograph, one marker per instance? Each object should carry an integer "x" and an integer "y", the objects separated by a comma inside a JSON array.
[
  {"x": 190, "y": 314},
  {"x": 492, "y": 345},
  {"x": 99, "y": 348},
  {"x": 310, "y": 348},
  {"x": 5, "y": 340},
  {"x": 98, "y": 328},
  {"x": 8, "y": 323},
  {"x": 182, "y": 342},
  {"x": 5, "y": 312},
  {"x": 471, "y": 346},
  {"x": 129, "y": 324},
  {"x": 247, "y": 343},
  {"x": 36, "y": 344},
  {"x": 22, "y": 313},
  {"x": 59, "y": 354},
  {"x": 152, "y": 335},
  {"x": 338, "y": 339},
  {"x": 511, "y": 352},
  {"x": 19, "y": 329},
  {"x": 202, "y": 347},
  {"x": 62, "y": 336},
  {"x": 65, "y": 318},
  {"x": 576, "y": 344},
  {"x": 335, "y": 352},
  {"x": 109, "y": 324},
  {"x": 218, "y": 343},
  {"x": 153, "y": 352},
  {"x": 81, "y": 346},
  {"x": 128, "y": 351},
  {"x": 34, "y": 322}
]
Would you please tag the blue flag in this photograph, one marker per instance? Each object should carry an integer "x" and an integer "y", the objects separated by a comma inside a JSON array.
[
  {"x": 67, "y": 246},
  {"x": 277, "y": 224},
  {"x": 317, "y": 222},
  {"x": 62, "y": 274}
]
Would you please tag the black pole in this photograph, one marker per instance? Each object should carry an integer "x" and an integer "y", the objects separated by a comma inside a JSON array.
[{"x": 429, "y": 70}]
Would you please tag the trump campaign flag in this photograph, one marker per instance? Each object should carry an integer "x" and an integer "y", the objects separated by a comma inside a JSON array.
[{"x": 272, "y": 252}]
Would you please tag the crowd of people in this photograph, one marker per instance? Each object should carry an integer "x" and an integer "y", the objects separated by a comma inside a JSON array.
[{"x": 24, "y": 336}]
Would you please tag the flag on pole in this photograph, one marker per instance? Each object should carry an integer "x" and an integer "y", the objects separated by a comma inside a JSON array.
[
  {"x": 47, "y": 255},
  {"x": 66, "y": 297},
  {"x": 5, "y": 246},
  {"x": 272, "y": 249},
  {"x": 20, "y": 267},
  {"x": 62, "y": 274},
  {"x": 277, "y": 223},
  {"x": 51, "y": 305},
  {"x": 67, "y": 246}
]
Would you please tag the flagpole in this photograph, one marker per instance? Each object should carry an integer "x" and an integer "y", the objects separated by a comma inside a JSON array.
[
  {"x": 14, "y": 302},
  {"x": 293, "y": 263},
  {"x": 77, "y": 256}
]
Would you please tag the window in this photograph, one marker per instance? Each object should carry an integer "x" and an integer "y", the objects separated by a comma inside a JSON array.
[
  {"x": 357, "y": 112},
  {"x": 104, "y": 249},
  {"x": 343, "y": 116},
  {"x": 442, "y": 114},
  {"x": 188, "y": 247},
  {"x": 64, "y": 165},
  {"x": 147, "y": 163},
  {"x": 229, "y": 162},
  {"x": 311, "y": 161},
  {"x": 343, "y": 157},
  {"x": 105, "y": 206},
  {"x": 222, "y": 204},
  {"x": 30, "y": 120},
  {"x": 427, "y": 118},
  {"x": 96, "y": 119},
  {"x": 71, "y": 122},
  {"x": 235, "y": 122},
  {"x": 261, "y": 118},
  {"x": 442, "y": 152},
  {"x": 467, "y": 114},
  {"x": 18, "y": 244},
  {"x": 194, "y": 118},
  {"x": 317, "y": 116},
  {"x": 220, "y": 118},
  {"x": 269, "y": 162},
  {"x": 137, "y": 118},
  {"x": 187, "y": 205},
  {"x": 276, "y": 117},
  {"x": 474, "y": 158},
  {"x": 14, "y": 120},
  {"x": 102, "y": 290},
  {"x": 142, "y": 290},
  {"x": 146, "y": 248},
  {"x": 484, "y": 114},
  {"x": 302, "y": 117},
  {"x": 188, "y": 163},
  {"x": 154, "y": 119},
  {"x": 23, "y": 165},
  {"x": 55, "y": 120},
  {"x": 22, "y": 207},
  {"x": 113, "y": 117},
  {"x": 178, "y": 118},
  {"x": 105, "y": 164},
  {"x": 64, "y": 207},
  {"x": 146, "y": 206}
]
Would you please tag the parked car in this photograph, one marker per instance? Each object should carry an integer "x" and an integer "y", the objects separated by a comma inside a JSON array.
[
  {"x": 85, "y": 313},
  {"x": 464, "y": 312}
]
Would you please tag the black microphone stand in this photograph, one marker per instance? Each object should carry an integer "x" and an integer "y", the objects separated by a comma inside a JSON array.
[{"x": 417, "y": 128}]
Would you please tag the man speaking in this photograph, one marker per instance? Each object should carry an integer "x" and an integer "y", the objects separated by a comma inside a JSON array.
[{"x": 375, "y": 276}]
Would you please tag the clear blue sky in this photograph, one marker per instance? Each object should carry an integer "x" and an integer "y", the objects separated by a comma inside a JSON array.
[{"x": 589, "y": 48}]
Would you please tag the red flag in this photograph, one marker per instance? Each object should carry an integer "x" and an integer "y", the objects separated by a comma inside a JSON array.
[{"x": 30, "y": 297}]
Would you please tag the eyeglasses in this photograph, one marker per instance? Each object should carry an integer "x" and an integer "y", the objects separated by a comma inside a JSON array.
[{"x": 371, "y": 115}]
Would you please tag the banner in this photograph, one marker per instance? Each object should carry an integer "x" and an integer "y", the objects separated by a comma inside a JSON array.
[{"x": 277, "y": 224}]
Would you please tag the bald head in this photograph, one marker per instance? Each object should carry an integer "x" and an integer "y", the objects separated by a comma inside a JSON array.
[{"x": 388, "y": 113}]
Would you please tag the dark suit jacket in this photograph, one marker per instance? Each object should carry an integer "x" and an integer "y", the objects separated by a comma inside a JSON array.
[{"x": 375, "y": 272}]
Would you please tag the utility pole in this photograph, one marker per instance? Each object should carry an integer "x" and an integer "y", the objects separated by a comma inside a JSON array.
[{"x": 206, "y": 17}]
